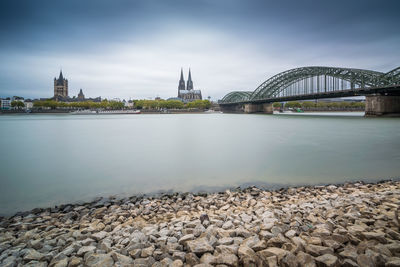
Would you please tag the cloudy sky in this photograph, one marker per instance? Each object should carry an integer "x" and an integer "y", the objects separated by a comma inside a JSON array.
[{"x": 135, "y": 49}]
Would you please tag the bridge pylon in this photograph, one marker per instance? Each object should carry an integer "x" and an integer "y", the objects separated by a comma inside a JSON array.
[
  {"x": 382, "y": 105},
  {"x": 265, "y": 108}
]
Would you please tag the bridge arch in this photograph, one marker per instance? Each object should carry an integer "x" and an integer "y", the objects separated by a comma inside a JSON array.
[
  {"x": 276, "y": 84},
  {"x": 236, "y": 96}
]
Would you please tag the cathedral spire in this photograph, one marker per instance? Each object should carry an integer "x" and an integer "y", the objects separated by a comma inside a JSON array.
[
  {"x": 181, "y": 85},
  {"x": 181, "y": 75},
  {"x": 189, "y": 82}
]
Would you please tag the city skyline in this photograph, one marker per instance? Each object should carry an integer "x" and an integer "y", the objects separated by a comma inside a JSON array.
[{"x": 133, "y": 49}]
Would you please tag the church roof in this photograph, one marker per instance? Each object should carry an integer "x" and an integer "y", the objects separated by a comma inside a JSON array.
[{"x": 60, "y": 80}]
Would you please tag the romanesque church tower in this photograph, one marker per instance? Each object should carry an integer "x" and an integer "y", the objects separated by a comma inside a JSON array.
[{"x": 60, "y": 87}]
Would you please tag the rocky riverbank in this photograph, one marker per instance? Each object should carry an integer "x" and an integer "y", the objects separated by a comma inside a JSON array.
[{"x": 349, "y": 225}]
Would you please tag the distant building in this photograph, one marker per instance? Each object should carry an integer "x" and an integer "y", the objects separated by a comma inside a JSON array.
[
  {"x": 81, "y": 96},
  {"x": 128, "y": 104},
  {"x": 17, "y": 98},
  {"x": 28, "y": 104},
  {"x": 5, "y": 103},
  {"x": 188, "y": 94},
  {"x": 60, "y": 87}
]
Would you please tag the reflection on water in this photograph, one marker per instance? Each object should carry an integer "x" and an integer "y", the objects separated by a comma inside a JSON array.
[
  {"x": 50, "y": 159},
  {"x": 335, "y": 114}
]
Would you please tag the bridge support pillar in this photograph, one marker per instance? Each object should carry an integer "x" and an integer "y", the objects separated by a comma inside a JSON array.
[
  {"x": 258, "y": 108},
  {"x": 381, "y": 105},
  {"x": 232, "y": 108}
]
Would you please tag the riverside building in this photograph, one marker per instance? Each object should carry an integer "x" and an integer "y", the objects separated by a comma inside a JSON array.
[{"x": 188, "y": 94}]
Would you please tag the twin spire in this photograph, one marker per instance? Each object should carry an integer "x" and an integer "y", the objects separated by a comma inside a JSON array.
[{"x": 189, "y": 85}]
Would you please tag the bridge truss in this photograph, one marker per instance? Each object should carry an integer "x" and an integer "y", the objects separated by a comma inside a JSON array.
[{"x": 314, "y": 80}]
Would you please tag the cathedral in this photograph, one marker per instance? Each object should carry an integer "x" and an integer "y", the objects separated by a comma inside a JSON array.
[
  {"x": 60, "y": 87},
  {"x": 187, "y": 93}
]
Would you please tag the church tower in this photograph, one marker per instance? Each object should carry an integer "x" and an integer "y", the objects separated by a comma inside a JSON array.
[
  {"x": 181, "y": 82},
  {"x": 60, "y": 86},
  {"x": 189, "y": 82},
  {"x": 81, "y": 96}
]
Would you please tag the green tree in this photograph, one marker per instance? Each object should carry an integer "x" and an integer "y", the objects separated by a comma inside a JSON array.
[
  {"x": 276, "y": 104},
  {"x": 293, "y": 104},
  {"x": 17, "y": 104},
  {"x": 199, "y": 104}
]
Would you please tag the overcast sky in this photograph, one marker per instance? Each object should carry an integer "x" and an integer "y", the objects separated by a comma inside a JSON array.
[{"x": 135, "y": 49}]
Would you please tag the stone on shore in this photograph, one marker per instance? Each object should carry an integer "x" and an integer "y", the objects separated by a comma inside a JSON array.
[{"x": 354, "y": 224}]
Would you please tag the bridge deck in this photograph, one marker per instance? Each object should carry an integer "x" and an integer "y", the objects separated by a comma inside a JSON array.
[{"x": 391, "y": 90}]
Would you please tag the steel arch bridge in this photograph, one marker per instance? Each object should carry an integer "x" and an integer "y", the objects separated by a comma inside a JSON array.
[{"x": 314, "y": 81}]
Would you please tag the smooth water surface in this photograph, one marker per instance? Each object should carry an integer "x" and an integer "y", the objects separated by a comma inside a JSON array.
[{"x": 51, "y": 159}]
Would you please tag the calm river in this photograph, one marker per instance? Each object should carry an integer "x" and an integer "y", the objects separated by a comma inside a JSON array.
[{"x": 51, "y": 159}]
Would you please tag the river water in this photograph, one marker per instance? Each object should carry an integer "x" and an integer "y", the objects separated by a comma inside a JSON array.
[{"x": 51, "y": 159}]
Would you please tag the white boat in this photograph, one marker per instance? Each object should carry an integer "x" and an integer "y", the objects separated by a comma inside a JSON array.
[
  {"x": 118, "y": 112},
  {"x": 83, "y": 112}
]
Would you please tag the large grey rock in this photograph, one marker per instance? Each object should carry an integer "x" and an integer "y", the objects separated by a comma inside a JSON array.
[
  {"x": 185, "y": 238},
  {"x": 104, "y": 260},
  {"x": 393, "y": 262},
  {"x": 176, "y": 263},
  {"x": 316, "y": 250},
  {"x": 83, "y": 250},
  {"x": 227, "y": 259},
  {"x": 33, "y": 255},
  {"x": 11, "y": 261},
  {"x": 304, "y": 259},
  {"x": 75, "y": 262},
  {"x": 60, "y": 263},
  {"x": 144, "y": 262},
  {"x": 191, "y": 258},
  {"x": 199, "y": 246},
  {"x": 273, "y": 251},
  {"x": 327, "y": 260},
  {"x": 179, "y": 255},
  {"x": 289, "y": 260},
  {"x": 31, "y": 264},
  {"x": 365, "y": 261},
  {"x": 147, "y": 252},
  {"x": 246, "y": 218},
  {"x": 208, "y": 258},
  {"x": 246, "y": 252},
  {"x": 227, "y": 225},
  {"x": 122, "y": 259},
  {"x": 349, "y": 253},
  {"x": 222, "y": 249},
  {"x": 99, "y": 235}
]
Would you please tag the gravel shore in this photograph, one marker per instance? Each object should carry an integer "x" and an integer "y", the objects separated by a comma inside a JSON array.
[{"x": 354, "y": 224}]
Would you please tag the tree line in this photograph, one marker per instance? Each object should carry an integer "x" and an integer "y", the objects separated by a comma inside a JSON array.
[
  {"x": 171, "y": 104},
  {"x": 104, "y": 104},
  {"x": 137, "y": 104},
  {"x": 320, "y": 104}
]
